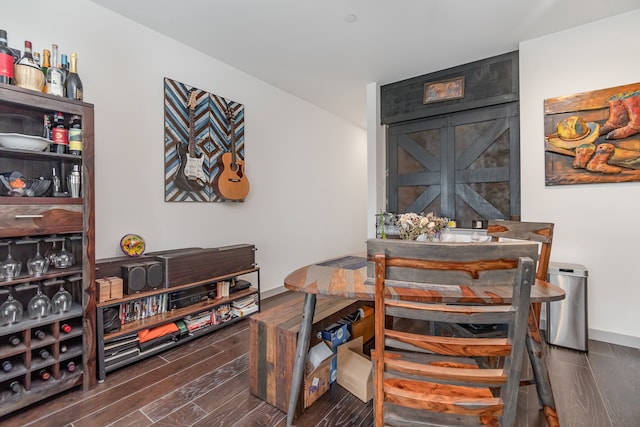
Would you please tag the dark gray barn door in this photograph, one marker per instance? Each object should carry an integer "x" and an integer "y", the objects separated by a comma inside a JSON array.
[{"x": 463, "y": 165}]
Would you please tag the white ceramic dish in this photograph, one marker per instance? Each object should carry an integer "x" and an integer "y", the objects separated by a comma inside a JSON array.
[{"x": 23, "y": 142}]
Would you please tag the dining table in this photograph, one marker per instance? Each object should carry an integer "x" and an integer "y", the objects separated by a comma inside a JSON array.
[{"x": 346, "y": 277}]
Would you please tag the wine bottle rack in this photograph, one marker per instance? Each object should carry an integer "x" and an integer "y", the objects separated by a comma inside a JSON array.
[{"x": 47, "y": 218}]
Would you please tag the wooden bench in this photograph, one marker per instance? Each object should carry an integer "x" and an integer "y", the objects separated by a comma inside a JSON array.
[{"x": 273, "y": 337}]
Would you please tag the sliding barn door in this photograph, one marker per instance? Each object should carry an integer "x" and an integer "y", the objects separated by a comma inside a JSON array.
[{"x": 463, "y": 165}]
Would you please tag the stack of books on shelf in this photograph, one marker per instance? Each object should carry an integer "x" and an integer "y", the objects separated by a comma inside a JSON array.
[
  {"x": 245, "y": 306},
  {"x": 142, "y": 308}
]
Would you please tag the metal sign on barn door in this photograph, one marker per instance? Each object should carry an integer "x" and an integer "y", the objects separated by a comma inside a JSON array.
[
  {"x": 463, "y": 165},
  {"x": 203, "y": 146}
]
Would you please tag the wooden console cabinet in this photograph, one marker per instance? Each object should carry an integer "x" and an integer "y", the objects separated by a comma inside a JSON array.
[
  {"x": 34, "y": 346},
  {"x": 207, "y": 306}
]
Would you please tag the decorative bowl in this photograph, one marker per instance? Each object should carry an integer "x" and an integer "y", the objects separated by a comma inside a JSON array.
[
  {"x": 28, "y": 77},
  {"x": 132, "y": 244},
  {"x": 23, "y": 142},
  {"x": 14, "y": 184}
]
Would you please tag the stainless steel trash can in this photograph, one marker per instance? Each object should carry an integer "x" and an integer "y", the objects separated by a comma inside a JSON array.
[{"x": 567, "y": 319}]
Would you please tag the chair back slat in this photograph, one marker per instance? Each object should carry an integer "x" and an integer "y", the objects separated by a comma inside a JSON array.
[{"x": 437, "y": 374}]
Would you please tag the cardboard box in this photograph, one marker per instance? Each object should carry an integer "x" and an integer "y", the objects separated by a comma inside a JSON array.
[
  {"x": 355, "y": 370},
  {"x": 317, "y": 381},
  {"x": 365, "y": 326},
  {"x": 334, "y": 335},
  {"x": 109, "y": 288}
]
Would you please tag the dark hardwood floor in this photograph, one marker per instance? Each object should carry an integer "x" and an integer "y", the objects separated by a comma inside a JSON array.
[{"x": 205, "y": 383}]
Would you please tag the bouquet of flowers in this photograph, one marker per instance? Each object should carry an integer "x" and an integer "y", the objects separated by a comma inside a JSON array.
[{"x": 412, "y": 225}]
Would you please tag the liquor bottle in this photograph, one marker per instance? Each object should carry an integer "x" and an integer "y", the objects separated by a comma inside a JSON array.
[
  {"x": 15, "y": 387},
  {"x": 40, "y": 334},
  {"x": 75, "y": 130},
  {"x": 66, "y": 328},
  {"x": 71, "y": 366},
  {"x": 27, "y": 56},
  {"x": 73, "y": 83},
  {"x": 47, "y": 133},
  {"x": 44, "y": 374},
  {"x": 6, "y": 60},
  {"x": 59, "y": 134},
  {"x": 43, "y": 353},
  {"x": 55, "y": 76},
  {"x": 46, "y": 54},
  {"x": 14, "y": 340},
  {"x": 64, "y": 65},
  {"x": 7, "y": 365}
]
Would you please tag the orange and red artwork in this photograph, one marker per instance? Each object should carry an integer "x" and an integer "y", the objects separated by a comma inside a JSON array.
[{"x": 593, "y": 137}]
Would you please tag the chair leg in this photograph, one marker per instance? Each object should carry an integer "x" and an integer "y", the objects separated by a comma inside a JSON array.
[{"x": 535, "y": 348}]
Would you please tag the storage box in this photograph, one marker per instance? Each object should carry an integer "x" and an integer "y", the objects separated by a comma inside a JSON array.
[
  {"x": 273, "y": 337},
  {"x": 109, "y": 288},
  {"x": 355, "y": 372},
  {"x": 317, "y": 381},
  {"x": 365, "y": 326},
  {"x": 334, "y": 335}
]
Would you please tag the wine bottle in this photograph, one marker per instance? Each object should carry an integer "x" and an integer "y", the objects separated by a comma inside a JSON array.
[
  {"x": 71, "y": 366},
  {"x": 36, "y": 58},
  {"x": 46, "y": 54},
  {"x": 73, "y": 83},
  {"x": 66, "y": 328},
  {"x": 7, "y": 365},
  {"x": 75, "y": 132},
  {"x": 14, "y": 340},
  {"x": 15, "y": 387},
  {"x": 59, "y": 134},
  {"x": 55, "y": 76},
  {"x": 43, "y": 353},
  {"x": 63, "y": 348},
  {"x": 27, "y": 56},
  {"x": 64, "y": 65},
  {"x": 6, "y": 60},
  {"x": 40, "y": 334},
  {"x": 44, "y": 374}
]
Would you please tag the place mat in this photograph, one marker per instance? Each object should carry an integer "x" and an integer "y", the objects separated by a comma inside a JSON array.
[{"x": 349, "y": 262}]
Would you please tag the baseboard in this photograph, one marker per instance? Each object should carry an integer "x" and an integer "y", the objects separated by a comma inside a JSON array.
[
  {"x": 613, "y": 338},
  {"x": 272, "y": 292}
]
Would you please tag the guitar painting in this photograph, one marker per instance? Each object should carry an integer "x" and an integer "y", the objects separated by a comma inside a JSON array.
[
  {"x": 204, "y": 146},
  {"x": 231, "y": 183},
  {"x": 190, "y": 176}
]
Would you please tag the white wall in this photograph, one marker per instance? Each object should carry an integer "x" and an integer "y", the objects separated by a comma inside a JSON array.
[
  {"x": 596, "y": 224},
  {"x": 307, "y": 167}
]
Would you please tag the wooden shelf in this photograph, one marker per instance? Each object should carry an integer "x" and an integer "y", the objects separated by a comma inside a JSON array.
[
  {"x": 176, "y": 314},
  {"x": 159, "y": 291}
]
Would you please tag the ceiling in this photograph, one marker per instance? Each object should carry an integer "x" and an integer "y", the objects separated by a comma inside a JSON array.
[{"x": 310, "y": 49}]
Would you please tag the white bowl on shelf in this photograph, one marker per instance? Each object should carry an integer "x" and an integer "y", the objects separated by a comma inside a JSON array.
[{"x": 23, "y": 142}]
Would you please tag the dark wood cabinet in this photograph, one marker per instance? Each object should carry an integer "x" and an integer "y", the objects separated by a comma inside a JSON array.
[{"x": 66, "y": 350}]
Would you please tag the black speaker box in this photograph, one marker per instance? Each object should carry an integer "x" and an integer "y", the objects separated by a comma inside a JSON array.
[
  {"x": 134, "y": 277},
  {"x": 155, "y": 274}
]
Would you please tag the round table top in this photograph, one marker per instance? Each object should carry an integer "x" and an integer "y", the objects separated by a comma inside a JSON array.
[{"x": 346, "y": 277}]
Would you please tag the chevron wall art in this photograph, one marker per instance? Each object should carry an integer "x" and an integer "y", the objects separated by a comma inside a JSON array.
[{"x": 197, "y": 132}]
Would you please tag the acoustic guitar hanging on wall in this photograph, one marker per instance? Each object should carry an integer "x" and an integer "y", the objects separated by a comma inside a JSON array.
[
  {"x": 203, "y": 146},
  {"x": 231, "y": 183}
]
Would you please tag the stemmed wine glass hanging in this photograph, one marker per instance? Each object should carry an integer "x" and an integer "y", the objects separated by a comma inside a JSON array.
[
  {"x": 10, "y": 266},
  {"x": 10, "y": 310}
]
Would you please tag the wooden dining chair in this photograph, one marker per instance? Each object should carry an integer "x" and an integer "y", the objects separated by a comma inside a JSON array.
[
  {"x": 424, "y": 379},
  {"x": 541, "y": 232}
]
